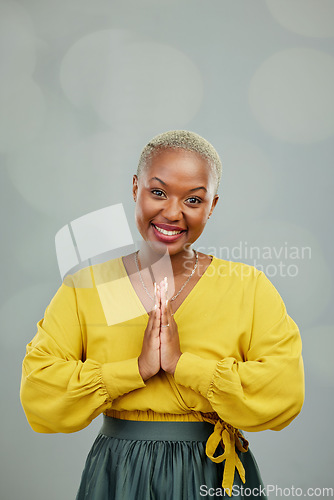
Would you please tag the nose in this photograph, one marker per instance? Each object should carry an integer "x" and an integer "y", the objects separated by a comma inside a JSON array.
[{"x": 172, "y": 210}]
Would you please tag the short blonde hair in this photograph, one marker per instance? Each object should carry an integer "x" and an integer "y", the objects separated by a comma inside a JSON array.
[{"x": 186, "y": 140}]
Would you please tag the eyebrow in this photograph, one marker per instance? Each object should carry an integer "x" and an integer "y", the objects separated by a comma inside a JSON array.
[{"x": 190, "y": 190}]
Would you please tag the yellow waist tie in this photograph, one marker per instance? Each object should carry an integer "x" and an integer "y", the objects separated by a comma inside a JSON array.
[{"x": 229, "y": 437}]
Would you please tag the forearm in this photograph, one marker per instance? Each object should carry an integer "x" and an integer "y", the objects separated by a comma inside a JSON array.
[
  {"x": 252, "y": 395},
  {"x": 65, "y": 396}
]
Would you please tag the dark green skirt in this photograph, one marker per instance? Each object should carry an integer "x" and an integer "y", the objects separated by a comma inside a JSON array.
[{"x": 132, "y": 460}]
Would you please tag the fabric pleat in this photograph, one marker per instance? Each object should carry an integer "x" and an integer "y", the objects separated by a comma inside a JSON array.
[{"x": 125, "y": 469}]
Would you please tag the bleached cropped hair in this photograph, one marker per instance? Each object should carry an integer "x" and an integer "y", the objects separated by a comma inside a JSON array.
[{"x": 182, "y": 139}]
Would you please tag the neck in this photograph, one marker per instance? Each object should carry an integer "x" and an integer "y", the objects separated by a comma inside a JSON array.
[{"x": 164, "y": 264}]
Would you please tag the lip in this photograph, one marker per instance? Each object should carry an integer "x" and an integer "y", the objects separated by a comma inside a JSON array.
[
  {"x": 165, "y": 238},
  {"x": 168, "y": 227}
]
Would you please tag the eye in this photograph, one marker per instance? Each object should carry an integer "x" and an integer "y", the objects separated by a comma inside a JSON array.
[
  {"x": 160, "y": 194},
  {"x": 155, "y": 191},
  {"x": 197, "y": 200}
]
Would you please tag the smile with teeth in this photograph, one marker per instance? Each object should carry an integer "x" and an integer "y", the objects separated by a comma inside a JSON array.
[{"x": 168, "y": 233}]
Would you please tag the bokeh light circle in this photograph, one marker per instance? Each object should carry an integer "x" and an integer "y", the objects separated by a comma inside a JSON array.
[
  {"x": 291, "y": 257},
  {"x": 131, "y": 82},
  {"x": 312, "y": 18},
  {"x": 62, "y": 173},
  {"x": 291, "y": 95},
  {"x": 318, "y": 346},
  {"x": 22, "y": 114},
  {"x": 17, "y": 40},
  {"x": 247, "y": 183}
]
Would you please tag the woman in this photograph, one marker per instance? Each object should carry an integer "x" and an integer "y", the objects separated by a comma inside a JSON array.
[{"x": 178, "y": 349}]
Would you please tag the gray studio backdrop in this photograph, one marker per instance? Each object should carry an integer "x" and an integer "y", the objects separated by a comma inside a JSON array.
[{"x": 84, "y": 85}]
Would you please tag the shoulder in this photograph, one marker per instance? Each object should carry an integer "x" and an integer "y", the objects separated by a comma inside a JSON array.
[
  {"x": 95, "y": 274},
  {"x": 240, "y": 278},
  {"x": 237, "y": 271}
]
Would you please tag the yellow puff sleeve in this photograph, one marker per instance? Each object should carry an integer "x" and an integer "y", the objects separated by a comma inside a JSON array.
[
  {"x": 60, "y": 390},
  {"x": 266, "y": 389}
]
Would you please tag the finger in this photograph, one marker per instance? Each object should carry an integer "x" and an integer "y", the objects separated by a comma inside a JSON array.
[
  {"x": 161, "y": 287},
  {"x": 157, "y": 310},
  {"x": 164, "y": 316},
  {"x": 153, "y": 312},
  {"x": 155, "y": 296},
  {"x": 159, "y": 292},
  {"x": 158, "y": 298},
  {"x": 166, "y": 290},
  {"x": 170, "y": 311},
  {"x": 157, "y": 318},
  {"x": 168, "y": 306}
]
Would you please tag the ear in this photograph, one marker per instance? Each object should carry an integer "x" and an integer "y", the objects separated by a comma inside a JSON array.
[
  {"x": 214, "y": 203},
  {"x": 134, "y": 187}
]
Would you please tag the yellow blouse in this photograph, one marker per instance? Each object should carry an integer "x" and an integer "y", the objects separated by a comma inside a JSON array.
[{"x": 241, "y": 365}]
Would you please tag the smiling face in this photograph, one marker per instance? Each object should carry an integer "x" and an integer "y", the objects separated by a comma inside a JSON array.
[{"x": 174, "y": 197}]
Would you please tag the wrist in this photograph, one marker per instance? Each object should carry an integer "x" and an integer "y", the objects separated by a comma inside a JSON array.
[
  {"x": 173, "y": 368},
  {"x": 144, "y": 373}
]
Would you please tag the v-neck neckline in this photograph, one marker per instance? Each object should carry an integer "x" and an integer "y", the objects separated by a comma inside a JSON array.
[{"x": 181, "y": 306}]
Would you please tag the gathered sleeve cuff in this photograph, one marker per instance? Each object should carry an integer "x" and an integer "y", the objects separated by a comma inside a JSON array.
[
  {"x": 265, "y": 390},
  {"x": 62, "y": 390},
  {"x": 195, "y": 372},
  {"x": 262, "y": 390},
  {"x": 121, "y": 377}
]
